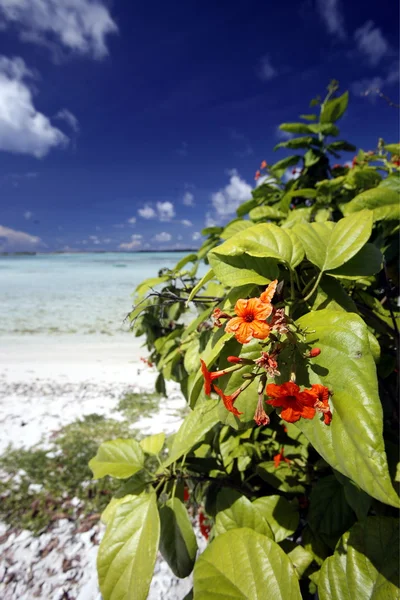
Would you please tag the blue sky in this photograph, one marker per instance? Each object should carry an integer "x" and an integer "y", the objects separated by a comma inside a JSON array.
[{"x": 133, "y": 125}]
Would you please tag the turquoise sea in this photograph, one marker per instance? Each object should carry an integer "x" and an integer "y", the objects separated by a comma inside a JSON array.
[{"x": 73, "y": 293}]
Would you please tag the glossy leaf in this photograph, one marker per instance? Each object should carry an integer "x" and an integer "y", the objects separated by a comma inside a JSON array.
[
  {"x": 178, "y": 543},
  {"x": 382, "y": 201},
  {"x": 244, "y": 565},
  {"x": 333, "y": 109},
  {"x": 262, "y": 240},
  {"x": 330, "y": 247},
  {"x": 148, "y": 284},
  {"x": 193, "y": 429},
  {"x": 266, "y": 212},
  {"x": 235, "y": 511},
  {"x": 205, "y": 279},
  {"x": 242, "y": 268},
  {"x": 329, "y": 515},
  {"x": 128, "y": 550},
  {"x": 153, "y": 444},
  {"x": 366, "y": 262},
  {"x": 295, "y": 127},
  {"x": 283, "y": 478},
  {"x": 234, "y": 227},
  {"x": 365, "y": 564},
  {"x": 296, "y": 143},
  {"x": 281, "y": 515},
  {"x": 353, "y": 443},
  {"x": 118, "y": 458}
]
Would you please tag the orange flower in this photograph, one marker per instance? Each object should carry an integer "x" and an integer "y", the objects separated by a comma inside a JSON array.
[
  {"x": 257, "y": 175},
  {"x": 229, "y": 400},
  {"x": 279, "y": 457},
  {"x": 250, "y": 322},
  {"x": 321, "y": 405},
  {"x": 295, "y": 403},
  {"x": 269, "y": 292},
  {"x": 209, "y": 376},
  {"x": 263, "y": 164}
]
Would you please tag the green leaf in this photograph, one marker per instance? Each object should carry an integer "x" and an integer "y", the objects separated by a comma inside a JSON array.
[
  {"x": 362, "y": 178},
  {"x": 147, "y": 284},
  {"x": 311, "y": 157},
  {"x": 295, "y": 127},
  {"x": 366, "y": 262},
  {"x": 153, "y": 444},
  {"x": 333, "y": 109},
  {"x": 281, "y": 515},
  {"x": 331, "y": 294},
  {"x": 280, "y": 167},
  {"x": 263, "y": 241},
  {"x": 329, "y": 515},
  {"x": 235, "y": 511},
  {"x": 365, "y": 564},
  {"x": 242, "y": 564},
  {"x": 184, "y": 261},
  {"x": 341, "y": 145},
  {"x": 266, "y": 212},
  {"x": 359, "y": 501},
  {"x": 197, "y": 423},
  {"x": 308, "y": 117},
  {"x": 382, "y": 201},
  {"x": 393, "y": 148},
  {"x": 330, "y": 247},
  {"x": 283, "y": 478},
  {"x": 242, "y": 269},
  {"x": 324, "y": 129},
  {"x": 299, "y": 556},
  {"x": 212, "y": 231},
  {"x": 235, "y": 227},
  {"x": 178, "y": 543},
  {"x": 118, "y": 458},
  {"x": 353, "y": 443},
  {"x": 246, "y": 207},
  {"x": 128, "y": 550},
  {"x": 205, "y": 279},
  {"x": 296, "y": 143}
]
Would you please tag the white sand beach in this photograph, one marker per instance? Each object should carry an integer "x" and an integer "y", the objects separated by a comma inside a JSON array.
[{"x": 46, "y": 383}]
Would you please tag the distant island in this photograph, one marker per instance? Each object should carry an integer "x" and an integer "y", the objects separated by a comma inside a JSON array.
[{"x": 26, "y": 253}]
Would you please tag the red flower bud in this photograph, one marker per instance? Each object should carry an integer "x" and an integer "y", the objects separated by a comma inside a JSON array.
[
  {"x": 257, "y": 175},
  {"x": 234, "y": 359},
  {"x": 314, "y": 352}
]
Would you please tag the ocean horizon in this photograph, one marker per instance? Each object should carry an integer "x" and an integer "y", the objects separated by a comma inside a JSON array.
[{"x": 73, "y": 293}]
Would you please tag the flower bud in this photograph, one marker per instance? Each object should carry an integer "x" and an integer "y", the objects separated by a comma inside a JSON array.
[
  {"x": 314, "y": 352},
  {"x": 234, "y": 360}
]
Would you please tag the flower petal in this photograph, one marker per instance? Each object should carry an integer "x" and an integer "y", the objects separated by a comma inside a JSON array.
[
  {"x": 241, "y": 307},
  {"x": 260, "y": 329},
  {"x": 269, "y": 292}
]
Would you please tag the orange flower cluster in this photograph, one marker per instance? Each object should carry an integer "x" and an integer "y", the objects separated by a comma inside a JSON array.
[
  {"x": 250, "y": 321},
  {"x": 264, "y": 165},
  {"x": 297, "y": 404}
]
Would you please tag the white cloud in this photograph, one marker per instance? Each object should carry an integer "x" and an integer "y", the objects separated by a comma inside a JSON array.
[
  {"x": 329, "y": 11},
  {"x": 188, "y": 199},
  {"x": 94, "y": 239},
  {"x": 107, "y": 240},
  {"x": 165, "y": 211},
  {"x": 371, "y": 43},
  {"x": 187, "y": 223},
  {"x": 14, "y": 241},
  {"x": 23, "y": 129},
  {"x": 28, "y": 215},
  {"x": 266, "y": 71},
  {"x": 227, "y": 200},
  {"x": 163, "y": 237},
  {"x": 132, "y": 220},
  {"x": 196, "y": 235},
  {"x": 209, "y": 220},
  {"x": 67, "y": 116},
  {"x": 80, "y": 26},
  {"x": 136, "y": 242},
  {"x": 147, "y": 212}
]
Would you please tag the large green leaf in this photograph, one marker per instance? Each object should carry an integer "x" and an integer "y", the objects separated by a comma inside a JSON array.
[
  {"x": 178, "y": 543},
  {"x": 329, "y": 515},
  {"x": 262, "y": 241},
  {"x": 333, "y": 109},
  {"x": 128, "y": 550},
  {"x": 281, "y": 515},
  {"x": 242, "y": 564},
  {"x": 295, "y": 128},
  {"x": 295, "y": 143},
  {"x": 383, "y": 201},
  {"x": 152, "y": 444},
  {"x": 366, "y": 262},
  {"x": 353, "y": 443},
  {"x": 283, "y": 478},
  {"x": 235, "y": 511},
  {"x": 193, "y": 429},
  {"x": 148, "y": 284},
  {"x": 330, "y": 247},
  {"x": 118, "y": 458},
  {"x": 365, "y": 564},
  {"x": 242, "y": 269},
  {"x": 205, "y": 279},
  {"x": 266, "y": 212},
  {"x": 235, "y": 227}
]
